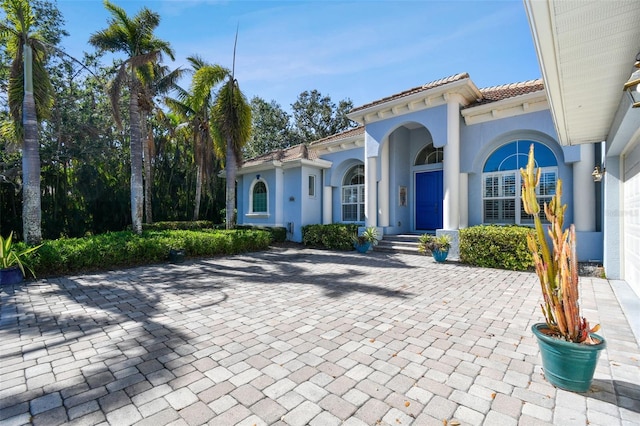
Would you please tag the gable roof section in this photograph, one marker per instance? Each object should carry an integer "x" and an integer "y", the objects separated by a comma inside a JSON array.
[
  {"x": 426, "y": 96},
  {"x": 507, "y": 100},
  {"x": 506, "y": 91},
  {"x": 288, "y": 157},
  {"x": 415, "y": 90}
]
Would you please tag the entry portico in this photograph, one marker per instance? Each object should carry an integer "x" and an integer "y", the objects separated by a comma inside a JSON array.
[{"x": 435, "y": 158}]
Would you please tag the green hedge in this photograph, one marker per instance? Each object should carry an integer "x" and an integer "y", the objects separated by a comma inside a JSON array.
[
  {"x": 494, "y": 246},
  {"x": 278, "y": 233},
  {"x": 192, "y": 225},
  {"x": 122, "y": 249},
  {"x": 335, "y": 236}
]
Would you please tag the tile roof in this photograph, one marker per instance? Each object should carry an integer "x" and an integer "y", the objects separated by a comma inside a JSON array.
[
  {"x": 295, "y": 152},
  {"x": 338, "y": 136},
  {"x": 424, "y": 87},
  {"x": 489, "y": 94},
  {"x": 505, "y": 91}
]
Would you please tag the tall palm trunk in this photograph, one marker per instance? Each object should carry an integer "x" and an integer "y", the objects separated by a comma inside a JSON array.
[
  {"x": 31, "y": 203},
  {"x": 148, "y": 182},
  {"x": 196, "y": 209},
  {"x": 137, "y": 194},
  {"x": 231, "y": 168}
]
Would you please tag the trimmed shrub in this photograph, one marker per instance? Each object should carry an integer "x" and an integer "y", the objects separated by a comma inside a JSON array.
[
  {"x": 493, "y": 246},
  {"x": 278, "y": 233},
  {"x": 335, "y": 236},
  {"x": 192, "y": 225},
  {"x": 123, "y": 249}
]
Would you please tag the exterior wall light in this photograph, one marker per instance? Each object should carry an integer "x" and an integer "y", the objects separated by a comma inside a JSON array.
[
  {"x": 597, "y": 174},
  {"x": 632, "y": 86}
]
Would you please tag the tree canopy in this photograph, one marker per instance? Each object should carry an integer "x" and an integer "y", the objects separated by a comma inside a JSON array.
[{"x": 89, "y": 167}]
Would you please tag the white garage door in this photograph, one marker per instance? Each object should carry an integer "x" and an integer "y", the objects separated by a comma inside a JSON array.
[{"x": 631, "y": 218}]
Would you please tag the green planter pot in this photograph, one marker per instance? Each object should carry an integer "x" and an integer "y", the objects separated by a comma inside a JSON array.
[{"x": 567, "y": 365}]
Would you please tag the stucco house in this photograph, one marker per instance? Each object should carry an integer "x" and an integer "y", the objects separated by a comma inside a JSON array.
[
  {"x": 434, "y": 158},
  {"x": 445, "y": 155}
]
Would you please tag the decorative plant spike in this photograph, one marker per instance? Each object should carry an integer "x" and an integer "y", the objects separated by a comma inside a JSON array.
[
  {"x": 556, "y": 267},
  {"x": 9, "y": 256}
]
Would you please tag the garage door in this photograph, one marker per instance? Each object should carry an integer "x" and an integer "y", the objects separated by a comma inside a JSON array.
[{"x": 631, "y": 218}]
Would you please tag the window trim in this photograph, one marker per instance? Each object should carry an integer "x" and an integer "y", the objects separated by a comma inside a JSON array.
[
  {"x": 518, "y": 213},
  {"x": 260, "y": 214},
  {"x": 361, "y": 206},
  {"x": 311, "y": 186}
]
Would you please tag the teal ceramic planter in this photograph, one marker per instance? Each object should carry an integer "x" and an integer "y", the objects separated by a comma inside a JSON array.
[
  {"x": 440, "y": 255},
  {"x": 362, "y": 248},
  {"x": 567, "y": 365}
]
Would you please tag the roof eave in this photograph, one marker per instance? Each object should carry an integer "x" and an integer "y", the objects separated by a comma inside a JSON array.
[
  {"x": 541, "y": 23},
  {"x": 418, "y": 101},
  {"x": 510, "y": 107}
]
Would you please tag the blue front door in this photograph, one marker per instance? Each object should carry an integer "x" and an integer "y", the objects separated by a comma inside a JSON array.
[{"x": 428, "y": 198}]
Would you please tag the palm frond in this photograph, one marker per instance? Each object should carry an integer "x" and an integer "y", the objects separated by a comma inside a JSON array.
[{"x": 204, "y": 80}]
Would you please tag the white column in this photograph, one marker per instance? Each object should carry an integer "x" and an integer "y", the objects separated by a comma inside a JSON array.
[
  {"x": 327, "y": 205},
  {"x": 279, "y": 199},
  {"x": 371, "y": 192},
  {"x": 451, "y": 165},
  {"x": 584, "y": 195},
  {"x": 464, "y": 200},
  {"x": 383, "y": 187}
]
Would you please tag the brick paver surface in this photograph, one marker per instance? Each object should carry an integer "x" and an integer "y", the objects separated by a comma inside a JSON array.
[{"x": 297, "y": 337}]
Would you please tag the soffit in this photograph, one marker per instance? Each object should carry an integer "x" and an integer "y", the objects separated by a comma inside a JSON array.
[{"x": 586, "y": 51}]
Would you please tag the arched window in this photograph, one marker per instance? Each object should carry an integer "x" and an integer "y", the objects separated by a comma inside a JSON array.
[
  {"x": 353, "y": 195},
  {"x": 259, "y": 197},
  {"x": 429, "y": 155},
  {"x": 501, "y": 181}
]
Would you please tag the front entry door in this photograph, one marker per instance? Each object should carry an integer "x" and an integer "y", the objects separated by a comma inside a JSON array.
[{"x": 428, "y": 188}]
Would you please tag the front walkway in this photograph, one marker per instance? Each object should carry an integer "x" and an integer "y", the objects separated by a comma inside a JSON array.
[{"x": 296, "y": 337}]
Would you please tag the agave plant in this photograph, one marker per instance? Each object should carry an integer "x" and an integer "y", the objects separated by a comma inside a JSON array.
[
  {"x": 430, "y": 243},
  {"x": 369, "y": 235},
  {"x": 556, "y": 267},
  {"x": 11, "y": 256}
]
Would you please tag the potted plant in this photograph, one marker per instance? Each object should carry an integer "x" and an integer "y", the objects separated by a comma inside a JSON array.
[
  {"x": 438, "y": 246},
  {"x": 568, "y": 346},
  {"x": 14, "y": 261},
  {"x": 366, "y": 240}
]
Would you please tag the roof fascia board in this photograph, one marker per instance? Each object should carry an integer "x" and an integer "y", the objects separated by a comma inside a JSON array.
[
  {"x": 417, "y": 101},
  {"x": 317, "y": 163},
  {"x": 510, "y": 107},
  {"x": 542, "y": 23},
  {"x": 340, "y": 144},
  {"x": 259, "y": 167}
]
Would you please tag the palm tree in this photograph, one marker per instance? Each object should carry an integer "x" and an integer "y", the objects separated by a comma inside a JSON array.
[
  {"x": 133, "y": 36},
  {"x": 230, "y": 123},
  {"x": 231, "y": 118},
  {"x": 194, "y": 110},
  {"x": 30, "y": 99},
  {"x": 156, "y": 80}
]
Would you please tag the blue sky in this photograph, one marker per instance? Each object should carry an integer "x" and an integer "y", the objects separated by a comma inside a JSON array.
[{"x": 362, "y": 50}]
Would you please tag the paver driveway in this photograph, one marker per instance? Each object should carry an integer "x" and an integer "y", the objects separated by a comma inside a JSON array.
[{"x": 299, "y": 337}]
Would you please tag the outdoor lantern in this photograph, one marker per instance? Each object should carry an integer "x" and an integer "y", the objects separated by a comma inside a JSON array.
[
  {"x": 597, "y": 174},
  {"x": 633, "y": 84}
]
